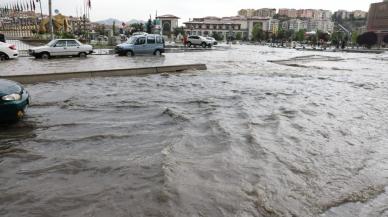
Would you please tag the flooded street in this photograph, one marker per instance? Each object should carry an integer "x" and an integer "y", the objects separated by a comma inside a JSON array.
[{"x": 263, "y": 132}]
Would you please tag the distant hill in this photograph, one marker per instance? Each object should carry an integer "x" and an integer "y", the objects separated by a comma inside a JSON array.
[{"x": 118, "y": 22}]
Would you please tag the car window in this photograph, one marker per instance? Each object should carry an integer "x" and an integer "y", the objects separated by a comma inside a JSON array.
[
  {"x": 159, "y": 40},
  {"x": 60, "y": 44},
  {"x": 141, "y": 40},
  {"x": 150, "y": 39},
  {"x": 72, "y": 43}
]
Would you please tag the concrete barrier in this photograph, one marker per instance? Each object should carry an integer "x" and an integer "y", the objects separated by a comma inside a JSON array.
[{"x": 38, "y": 78}]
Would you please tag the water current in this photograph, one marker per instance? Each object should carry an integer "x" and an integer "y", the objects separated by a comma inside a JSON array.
[{"x": 263, "y": 132}]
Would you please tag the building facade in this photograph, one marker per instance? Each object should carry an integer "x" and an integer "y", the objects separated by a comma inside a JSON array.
[
  {"x": 265, "y": 12},
  {"x": 168, "y": 23},
  {"x": 308, "y": 25},
  {"x": 291, "y": 13},
  {"x": 378, "y": 19},
  {"x": 230, "y": 26}
]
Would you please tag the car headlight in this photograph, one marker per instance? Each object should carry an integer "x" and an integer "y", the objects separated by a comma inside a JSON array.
[{"x": 12, "y": 97}]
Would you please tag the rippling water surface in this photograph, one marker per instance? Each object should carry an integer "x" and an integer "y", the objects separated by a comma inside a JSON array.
[{"x": 304, "y": 135}]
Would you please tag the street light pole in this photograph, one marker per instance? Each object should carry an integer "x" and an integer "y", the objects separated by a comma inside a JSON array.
[{"x": 51, "y": 20}]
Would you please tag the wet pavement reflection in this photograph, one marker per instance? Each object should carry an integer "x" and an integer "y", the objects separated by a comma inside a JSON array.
[{"x": 262, "y": 132}]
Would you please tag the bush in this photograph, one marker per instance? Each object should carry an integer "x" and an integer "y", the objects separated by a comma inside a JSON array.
[{"x": 367, "y": 39}]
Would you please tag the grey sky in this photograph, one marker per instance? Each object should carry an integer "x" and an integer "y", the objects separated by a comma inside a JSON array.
[{"x": 140, "y": 9}]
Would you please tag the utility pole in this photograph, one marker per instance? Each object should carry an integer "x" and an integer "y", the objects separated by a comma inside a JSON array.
[{"x": 51, "y": 20}]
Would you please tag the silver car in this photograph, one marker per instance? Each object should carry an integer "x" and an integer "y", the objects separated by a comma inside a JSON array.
[
  {"x": 142, "y": 44},
  {"x": 61, "y": 47}
]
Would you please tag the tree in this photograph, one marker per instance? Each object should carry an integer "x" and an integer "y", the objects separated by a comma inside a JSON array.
[
  {"x": 257, "y": 33},
  {"x": 354, "y": 37},
  {"x": 179, "y": 30},
  {"x": 323, "y": 36},
  {"x": 238, "y": 36},
  {"x": 218, "y": 36},
  {"x": 114, "y": 28},
  {"x": 137, "y": 27},
  {"x": 385, "y": 39},
  {"x": 367, "y": 39},
  {"x": 149, "y": 26},
  {"x": 300, "y": 35}
]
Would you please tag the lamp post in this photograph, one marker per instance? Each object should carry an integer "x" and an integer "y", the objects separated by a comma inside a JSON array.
[{"x": 51, "y": 20}]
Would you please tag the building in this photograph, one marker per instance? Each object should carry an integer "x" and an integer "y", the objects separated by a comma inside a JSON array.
[
  {"x": 291, "y": 13},
  {"x": 247, "y": 12},
  {"x": 308, "y": 25},
  {"x": 265, "y": 12},
  {"x": 168, "y": 23},
  {"x": 358, "y": 14},
  {"x": 230, "y": 26},
  {"x": 378, "y": 19},
  {"x": 320, "y": 25},
  {"x": 295, "y": 24},
  {"x": 306, "y": 13}
]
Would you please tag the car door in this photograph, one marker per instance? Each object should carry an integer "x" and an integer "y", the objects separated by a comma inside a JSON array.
[
  {"x": 59, "y": 49},
  {"x": 151, "y": 44},
  {"x": 73, "y": 48},
  {"x": 140, "y": 46}
]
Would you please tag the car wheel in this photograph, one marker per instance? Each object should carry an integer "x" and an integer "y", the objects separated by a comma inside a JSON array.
[
  {"x": 189, "y": 44},
  {"x": 3, "y": 57},
  {"x": 82, "y": 55},
  {"x": 129, "y": 53},
  {"x": 157, "y": 53},
  {"x": 45, "y": 56},
  {"x": 204, "y": 45}
]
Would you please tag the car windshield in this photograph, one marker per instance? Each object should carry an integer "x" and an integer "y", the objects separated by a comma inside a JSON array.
[
  {"x": 210, "y": 38},
  {"x": 131, "y": 40},
  {"x": 51, "y": 43}
]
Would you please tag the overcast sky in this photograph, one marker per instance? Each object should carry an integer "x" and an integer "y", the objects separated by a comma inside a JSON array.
[{"x": 185, "y": 9}]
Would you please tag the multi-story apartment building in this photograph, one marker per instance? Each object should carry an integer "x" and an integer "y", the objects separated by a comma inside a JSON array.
[
  {"x": 292, "y": 13},
  {"x": 308, "y": 25},
  {"x": 320, "y": 25},
  {"x": 247, "y": 12},
  {"x": 360, "y": 14},
  {"x": 378, "y": 19},
  {"x": 265, "y": 12},
  {"x": 295, "y": 24},
  {"x": 230, "y": 26}
]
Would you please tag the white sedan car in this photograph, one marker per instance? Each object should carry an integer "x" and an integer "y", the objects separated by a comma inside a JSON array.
[
  {"x": 61, "y": 47},
  {"x": 8, "y": 51}
]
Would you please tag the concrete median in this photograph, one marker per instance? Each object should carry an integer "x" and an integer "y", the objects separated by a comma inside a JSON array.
[{"x": 38, "y": 78}]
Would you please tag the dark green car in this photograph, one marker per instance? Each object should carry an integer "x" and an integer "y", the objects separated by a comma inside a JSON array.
[{"x": 14, "y": 100}]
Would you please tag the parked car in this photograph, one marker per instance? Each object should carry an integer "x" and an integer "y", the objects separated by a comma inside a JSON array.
[
  {"x": 14, "y": 100},
  {"x": 61, "y": 47},
  {"x": 8, "y": 51},
  {"x": 213, "y": 40},
  {"x": 199, "y": 40},
  {"x": 141, "y": 44}
]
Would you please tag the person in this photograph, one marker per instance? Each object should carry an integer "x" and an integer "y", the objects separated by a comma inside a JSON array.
[{"x": 185, "y": 40}]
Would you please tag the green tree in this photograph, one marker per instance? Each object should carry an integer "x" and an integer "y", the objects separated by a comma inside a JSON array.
[
  {"x": 300, "y": 35},
  {"x": 149, "y": 26},
  {"x": 354, "y": 37},
  {"x": 238, "y": 36},
  {"x": 257, "y": 33},
  {"x": 137, "y": 27},
  {"x": 179, "y": 30},
  {"x": 218, "y": 36},
  {"x": 114, "y": 28}
]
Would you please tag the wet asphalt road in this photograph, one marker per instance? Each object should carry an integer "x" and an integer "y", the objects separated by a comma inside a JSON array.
[{"x": 303, "y": 136}]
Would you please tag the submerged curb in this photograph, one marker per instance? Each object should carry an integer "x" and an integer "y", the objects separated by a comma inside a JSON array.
[{"x": 39, "y": 78}]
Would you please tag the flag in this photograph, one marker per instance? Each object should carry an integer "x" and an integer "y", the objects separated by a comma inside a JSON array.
[{"x": 90, "y": 4}]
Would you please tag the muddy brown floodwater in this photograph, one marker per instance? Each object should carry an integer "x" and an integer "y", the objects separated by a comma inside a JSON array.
[{"x": 262, "y": 132}]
